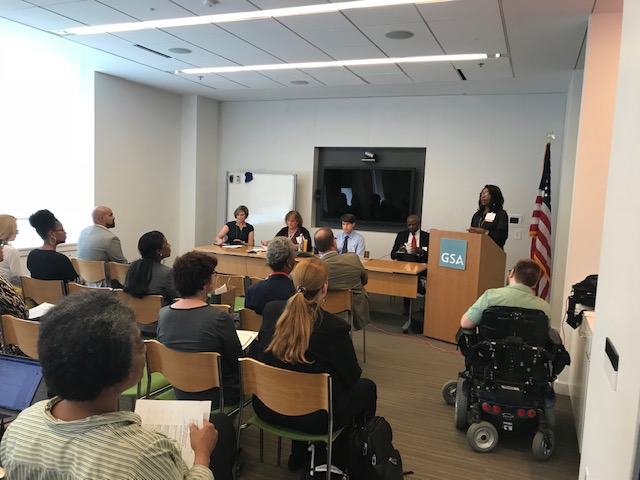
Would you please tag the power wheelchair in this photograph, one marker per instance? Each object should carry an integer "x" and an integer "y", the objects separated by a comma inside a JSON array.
[{"x": 511, "y": 358}]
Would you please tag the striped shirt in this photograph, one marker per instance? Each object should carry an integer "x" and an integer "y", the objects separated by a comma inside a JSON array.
[{"x": 110, "y": 446}]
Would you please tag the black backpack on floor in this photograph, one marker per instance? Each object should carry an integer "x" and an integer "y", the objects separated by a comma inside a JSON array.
[{"x": 371, "y": 453}]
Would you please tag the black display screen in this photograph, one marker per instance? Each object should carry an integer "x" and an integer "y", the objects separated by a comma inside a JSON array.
[{"x": 373, "y": 195}]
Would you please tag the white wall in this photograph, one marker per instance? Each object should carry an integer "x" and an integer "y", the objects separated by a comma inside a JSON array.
[
  {"x": 470, "y": 141},
  {"x": 137, "y": 159},
  {"x": 611, "y": 429}
]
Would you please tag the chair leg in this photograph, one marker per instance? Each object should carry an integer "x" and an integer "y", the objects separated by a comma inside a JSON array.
[
  {"x": 329, "y": 454},
  {"x": 261, "y": 446},
  {"x": 364, "y": 344},
  {"x": 279, "y": 451}
]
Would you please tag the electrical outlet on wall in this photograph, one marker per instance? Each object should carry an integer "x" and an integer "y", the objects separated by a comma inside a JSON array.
[{"x": 517, "y": 234}]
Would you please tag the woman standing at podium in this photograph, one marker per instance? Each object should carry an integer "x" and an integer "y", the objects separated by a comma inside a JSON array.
[{"x": 491, "y": 217}]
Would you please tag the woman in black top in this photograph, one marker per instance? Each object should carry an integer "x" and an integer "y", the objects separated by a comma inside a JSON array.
[
  {"x": 239, "y": 232},
  {"x": 491, "y": 218},
  {"x": 45, "y": 263},
  {"x": 305, "y": 338},
  {"x": 294, "y": 230}
]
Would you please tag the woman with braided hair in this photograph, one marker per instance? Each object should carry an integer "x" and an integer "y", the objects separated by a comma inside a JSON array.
[{"x": 305, "y": 338}]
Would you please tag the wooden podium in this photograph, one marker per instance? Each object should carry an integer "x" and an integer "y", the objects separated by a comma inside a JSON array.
[{"x": 450, "y": 292}]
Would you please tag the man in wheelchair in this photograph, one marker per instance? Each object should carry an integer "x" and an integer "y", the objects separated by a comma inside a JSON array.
[{"x": 511, "y": 358}]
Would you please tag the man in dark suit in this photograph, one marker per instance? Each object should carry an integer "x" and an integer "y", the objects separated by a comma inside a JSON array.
[
  {"x": 345, "y": 272},
  {"x": 278, "y": 285},
  {"x": 412, "y": 245}
]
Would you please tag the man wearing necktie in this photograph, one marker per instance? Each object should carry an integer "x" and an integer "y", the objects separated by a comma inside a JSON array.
[
  {"x": 411, "y": 245},
  {"x": 349, "y": 240}
]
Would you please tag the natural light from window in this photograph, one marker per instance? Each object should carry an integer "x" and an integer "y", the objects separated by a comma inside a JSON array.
[{"x": 46, "y": 132}]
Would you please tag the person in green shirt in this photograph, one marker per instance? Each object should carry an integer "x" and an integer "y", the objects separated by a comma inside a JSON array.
[{"x": 519, "y": 292}]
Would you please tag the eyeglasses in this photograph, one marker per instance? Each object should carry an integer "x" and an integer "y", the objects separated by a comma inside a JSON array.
[
  {"x": 485, "y": 194},
  {"x": 58, "y": 230}
]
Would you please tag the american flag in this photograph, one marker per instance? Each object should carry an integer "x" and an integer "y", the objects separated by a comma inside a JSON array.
[{"x": 540, "y": 229}]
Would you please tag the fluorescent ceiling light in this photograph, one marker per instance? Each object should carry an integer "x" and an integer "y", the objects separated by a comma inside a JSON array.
[
  {"x": 237, "y": 17},
  {"x": 337, "y": 63}
]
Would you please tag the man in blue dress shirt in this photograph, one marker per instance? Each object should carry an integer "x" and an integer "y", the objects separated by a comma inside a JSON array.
[{"x": 350, "y": 240}]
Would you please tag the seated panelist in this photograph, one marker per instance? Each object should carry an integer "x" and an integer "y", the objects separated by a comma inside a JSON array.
[
  {"x": 294, "y": 231},
  {"x": 411, "y": 244},
  {"x": 237, "y": 232}
]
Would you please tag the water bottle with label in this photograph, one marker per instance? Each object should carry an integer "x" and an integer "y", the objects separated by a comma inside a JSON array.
[{"x": 300, "y": 239}]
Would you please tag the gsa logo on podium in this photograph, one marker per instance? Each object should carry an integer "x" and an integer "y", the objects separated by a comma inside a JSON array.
[{"x": 453, "y": 253}]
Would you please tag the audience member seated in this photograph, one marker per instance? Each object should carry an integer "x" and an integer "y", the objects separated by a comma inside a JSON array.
[
  {"x": 79, "y": 433},
  {"x": 10, "y": 267},
  {"x": 239, "y": 232},
  {"x": 411, "y": 245},
  {"x": 294, "y": 231},
  {"x": 148, "y": 276},
  {"x": 349, "y": 240},
  {"x": 10, "y": 303},
  {"x": 308, "y": 339},
  {"x": 345, "y": 272},
  {"x": 519, "y": 292},
  {"x": 45, "y": 263},
  {"x": 97, "y": 242},
  {"x": 278, "y": 286},
  {"x": 191, "y": 325}
]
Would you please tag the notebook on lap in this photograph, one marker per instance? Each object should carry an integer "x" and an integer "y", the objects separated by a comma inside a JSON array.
[{"x": 21, "y": 385}]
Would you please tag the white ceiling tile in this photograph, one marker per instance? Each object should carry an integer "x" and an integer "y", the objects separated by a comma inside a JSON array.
[
  {"x": 145, "y": 10},
  {"x": 40, "y": 18},
  {"x": 335, "y": 76},
  {"x": 387, "y": 78},
  {"x": 422, "y": 43},
  {"x": 354, "y": 52},
  {"x": 252, "y": 80},
  {"x": 430, "y": 72},
  {"x": 383, "y": 15},
  {"x": 90, "y": 12}
]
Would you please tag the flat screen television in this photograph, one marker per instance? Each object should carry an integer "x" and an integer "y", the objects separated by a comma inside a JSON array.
[{"x": 376, "y": 196}]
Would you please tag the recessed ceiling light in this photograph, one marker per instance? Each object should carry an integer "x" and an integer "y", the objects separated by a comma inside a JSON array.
[
  {"x": 299, "y": 82},
  {"x": 399, "y": 35},
  {"x": 180, "y": 51}
]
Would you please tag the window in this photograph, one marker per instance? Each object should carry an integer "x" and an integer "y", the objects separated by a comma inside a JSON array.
[{"x": 46, "y": 126}]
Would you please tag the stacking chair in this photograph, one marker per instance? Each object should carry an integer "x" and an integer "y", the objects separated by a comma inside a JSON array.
[
  {"x": 223, "y": 306},
  {"x": 250, "y": 320},
  {"x": 237, "y": 281},
  {"x": 338, "y": 301},
  {"x": 145, "y": 308},
  {"x": 146, "y": 311},
  {"x": 92, "y": 271},
  {"x": 73, "y": 287},
  {"x": 118, "y": 272},
  {"x": 188, "y": 371},
  {"x": 21, "y": 333},
  {"x": 41, "y": 291},
  {"x": 254, "y": 280},
  {"x": 288, "y": 393}
]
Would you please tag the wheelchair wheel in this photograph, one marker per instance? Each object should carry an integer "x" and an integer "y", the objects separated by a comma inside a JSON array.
[
  {"x": 542, "y": 450},
  {"x": 482, "y": 436},
  {"x": 449, "y": 392},
  {"x": 550, "y": 416},
  {"x": 461, "y": 413}
]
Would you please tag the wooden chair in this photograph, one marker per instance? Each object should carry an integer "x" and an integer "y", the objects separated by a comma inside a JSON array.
[
  {"x": 118, "y": 272},
  {"x": 250, "y": 320},
  {"x": 73, "y": 287},
  {"x": 188, "y": 371},
  {"x": 254, "y": 280},
  {"x": 146, "y": 308},
  {"x": 224, "y": 307},
  {"x": 21, "y": 333},
  {"x": 41, "y": 291},
  {"x": 338, "y": 301},
  {"x": 92, "y": 271},
  {"x": 288, "y": 393},
  {"x": 234, "y": 280}
]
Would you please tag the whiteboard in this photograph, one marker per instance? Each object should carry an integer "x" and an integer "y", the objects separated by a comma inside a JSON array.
[{"x": 268, "y": 196}]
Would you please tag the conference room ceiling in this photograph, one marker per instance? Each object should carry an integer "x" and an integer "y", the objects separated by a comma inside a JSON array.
[{"x": 541, "y": 43}]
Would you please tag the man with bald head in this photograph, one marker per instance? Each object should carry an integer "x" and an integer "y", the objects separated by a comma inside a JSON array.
[{"x": 97, "y": 242}]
